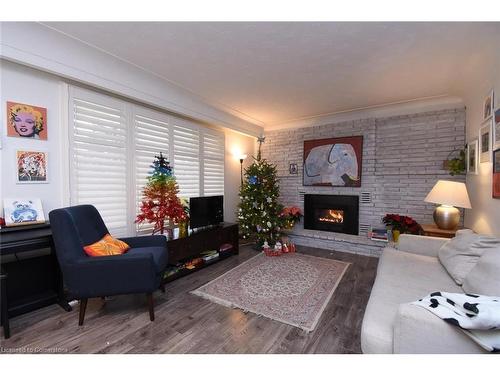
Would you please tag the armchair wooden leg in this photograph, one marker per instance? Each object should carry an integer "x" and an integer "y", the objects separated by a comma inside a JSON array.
[
  {"x": 83, "y": 307},
  {"x": 149, "y": 297}
]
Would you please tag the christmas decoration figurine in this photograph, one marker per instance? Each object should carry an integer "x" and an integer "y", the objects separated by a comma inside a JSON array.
[
  {"x": 159, "y": 197},
  {"x": 259, "y": 211}
]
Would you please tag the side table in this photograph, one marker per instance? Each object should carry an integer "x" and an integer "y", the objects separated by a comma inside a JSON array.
[{"x": 433, "y": 231}]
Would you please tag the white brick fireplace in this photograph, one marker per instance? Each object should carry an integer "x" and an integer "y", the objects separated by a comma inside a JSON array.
[{"x": 402, "y": 160}]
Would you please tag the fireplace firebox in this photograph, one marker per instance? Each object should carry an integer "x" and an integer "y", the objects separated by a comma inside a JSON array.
[{"x": 332, "y": 213}]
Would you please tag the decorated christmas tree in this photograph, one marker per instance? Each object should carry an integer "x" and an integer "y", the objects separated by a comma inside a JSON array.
[
  {"x": 259, "y": 210},
  {"x": 159, "y": 197}
]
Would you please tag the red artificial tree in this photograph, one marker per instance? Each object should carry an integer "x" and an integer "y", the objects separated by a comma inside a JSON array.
[{"x": 159, "y": 197}]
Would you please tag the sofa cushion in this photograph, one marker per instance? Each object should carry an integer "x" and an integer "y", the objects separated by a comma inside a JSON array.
[
  {"x": 484, "y": 278},
  {"x": 401, "y": 278},
  {"x": 460, "y": 254},
  {"x": 159, "y": 256}
]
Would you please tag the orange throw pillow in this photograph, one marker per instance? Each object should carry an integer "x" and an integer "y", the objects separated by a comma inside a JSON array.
[{"x": 106, "y": 246}]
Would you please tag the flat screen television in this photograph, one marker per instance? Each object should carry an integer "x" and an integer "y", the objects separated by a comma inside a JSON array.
[{"x": 205, "y": 211}]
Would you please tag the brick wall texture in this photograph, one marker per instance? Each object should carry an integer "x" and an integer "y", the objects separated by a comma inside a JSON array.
[{"x": 402, "y": 160}]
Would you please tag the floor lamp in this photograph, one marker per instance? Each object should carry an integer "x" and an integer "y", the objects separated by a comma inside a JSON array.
[{"x": 242, "y": 157}]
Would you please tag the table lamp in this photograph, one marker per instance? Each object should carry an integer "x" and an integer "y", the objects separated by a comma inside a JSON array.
[{"x": 449, "y": 195}]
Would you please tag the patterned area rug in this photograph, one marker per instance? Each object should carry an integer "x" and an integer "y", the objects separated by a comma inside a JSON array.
[{"x": 292, "y": 289}]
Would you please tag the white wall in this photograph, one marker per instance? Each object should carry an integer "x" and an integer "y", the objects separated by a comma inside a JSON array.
[
  {"x": 24, "y": 85},
  {"x": 31, "y": 86},
  {"x": 482, "y": 77}
]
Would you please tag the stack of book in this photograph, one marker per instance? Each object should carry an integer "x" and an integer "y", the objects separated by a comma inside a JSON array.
[
  {"x": 209, "y": 256},
  {"x": 226, "y": 250},
  {"x": 172, "y": 270},
  {"x": 379, "y": 234}
]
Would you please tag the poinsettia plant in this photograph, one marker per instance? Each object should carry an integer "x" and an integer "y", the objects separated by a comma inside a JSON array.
[
  {"x": 405, "y": 224},
  {"x": 290, "y": 215}
]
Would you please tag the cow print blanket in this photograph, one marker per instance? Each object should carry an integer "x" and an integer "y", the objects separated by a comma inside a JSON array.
[{"x": 477, "y": 316}]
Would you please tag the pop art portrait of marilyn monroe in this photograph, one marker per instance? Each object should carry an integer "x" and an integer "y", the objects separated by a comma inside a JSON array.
[{"x": 26, "y": 121}]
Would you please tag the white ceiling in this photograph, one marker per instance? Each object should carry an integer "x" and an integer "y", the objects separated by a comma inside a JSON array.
[{"x": 279, "y": 72}]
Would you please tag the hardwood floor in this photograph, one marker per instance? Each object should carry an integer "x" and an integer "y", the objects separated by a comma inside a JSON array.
[{"x": 189, "y": 324}]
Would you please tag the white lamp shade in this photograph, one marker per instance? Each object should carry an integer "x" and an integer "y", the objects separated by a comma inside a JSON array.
[{"x": 449, "y": 193}]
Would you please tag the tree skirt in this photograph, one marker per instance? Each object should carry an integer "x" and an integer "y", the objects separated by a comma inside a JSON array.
[{"x": 292, "y": 288}]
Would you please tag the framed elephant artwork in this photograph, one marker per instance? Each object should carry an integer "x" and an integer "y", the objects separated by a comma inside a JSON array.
[{"x": 333, "y": 162}]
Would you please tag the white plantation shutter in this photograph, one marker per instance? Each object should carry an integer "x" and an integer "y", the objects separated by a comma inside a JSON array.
[
  {"x": 151, "y": 137},
  {"x": 213, "y": 163},
  {"x": 112, "y": 147},
  {"x": 98, "y": 154},
  {"x": 187, "y": 158}
]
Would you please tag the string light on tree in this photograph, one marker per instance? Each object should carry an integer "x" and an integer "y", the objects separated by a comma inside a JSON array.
[{"x": 259, "y": 210}]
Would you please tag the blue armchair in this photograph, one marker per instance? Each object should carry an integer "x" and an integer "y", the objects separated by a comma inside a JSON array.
[{"x": 139, "y": 270}]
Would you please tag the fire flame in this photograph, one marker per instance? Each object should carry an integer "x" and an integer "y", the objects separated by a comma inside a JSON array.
[{"x": 335, "y": 216}]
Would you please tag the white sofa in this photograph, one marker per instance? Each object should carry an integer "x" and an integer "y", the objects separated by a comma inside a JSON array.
[{"x": 405, "y": 274}]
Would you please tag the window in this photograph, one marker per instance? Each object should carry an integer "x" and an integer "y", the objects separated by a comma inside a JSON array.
[
  {"x": 112, "y": 145},
  {"x": 98, "y": 156},
  {"x": 187, "y": 158},
  {"x": 151, "y": 136},
  {"x": 213, "y": 163}
]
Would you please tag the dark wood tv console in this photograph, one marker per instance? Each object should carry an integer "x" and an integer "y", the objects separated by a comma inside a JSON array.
[{"x": 198, "y": 241}]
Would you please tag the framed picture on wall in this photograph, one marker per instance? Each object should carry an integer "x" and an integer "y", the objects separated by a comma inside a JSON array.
[
  {"x": 26, "y": 121},
  {"x": 488, "y": 105},
  {"x": 472, "y": 150},
  {"x": 333, "y": 162},
  {"x": 485, "y": 141},
  {"x": 496, "y": 174},
  {"x": 32, "y": 167},
  {"x": 496, "y": 129},
  {"x": 22, "y": 211}
]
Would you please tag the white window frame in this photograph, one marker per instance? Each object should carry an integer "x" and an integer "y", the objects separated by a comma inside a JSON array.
[{"x": 130, "y": 110}]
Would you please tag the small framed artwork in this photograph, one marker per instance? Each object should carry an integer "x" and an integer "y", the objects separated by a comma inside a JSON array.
[
  {"x": 32, "y": 167},
  {"x": 26, "y": 121},
  {"x": 485, "y": 142},
  {"x": 496, "y": 129},
  {"x": 472, "y": 149},
  {"x": 23, "y": 211},
  {"x": 488, "y": 104},
  {"x": 496, "y": 174},
  {"x": 293, "y": 169}
]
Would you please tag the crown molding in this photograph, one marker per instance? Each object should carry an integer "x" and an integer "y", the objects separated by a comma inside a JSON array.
[{"x": 420, "y": 105}]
